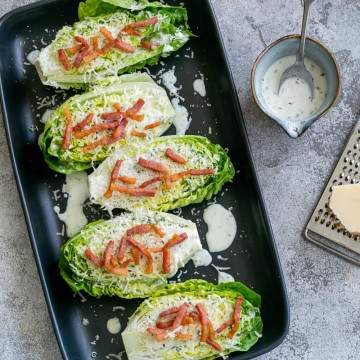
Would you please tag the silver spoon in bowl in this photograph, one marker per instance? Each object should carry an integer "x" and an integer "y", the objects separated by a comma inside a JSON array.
[{"x": 298, "y": 70}]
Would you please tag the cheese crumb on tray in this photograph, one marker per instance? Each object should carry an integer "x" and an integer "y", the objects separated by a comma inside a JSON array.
[{"x": 345, "y": 204}]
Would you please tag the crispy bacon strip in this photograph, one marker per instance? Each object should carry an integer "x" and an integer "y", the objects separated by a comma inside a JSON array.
[
  {"x": 195, "y": 172},
  {"x": 68, "y": 129},
  {"x": 175, "y": 240},
  {"x": 123, "y": 46},
  {"x": 183, "y": 336},
  {"x": 180, "y": 316},
  {"x": 179, "y": 175},
  {"x": 95, "y": 43},
  {"x": 138, "y": 133},
  {"x": 107, "y": 34},
  {"x": 127, "y": 180},
  {"x": 166, "y": 260},
  {"x": 117, "y": 107},
  {"x": 88, "y": 119},
  {"x": 203, "y": 321},
  {"x": 73, "y": 49},
  {"x": 119, "y": 132},
  {"x": 223, "y": 326},
  {"x": 201, "y": 171},
  {"x": 112, "y": 116},
  {"x": 90, "y": 56},
  {"x": 135, "y": 255},
  {"x": 122, "y": 248},
  {"x": 236, "y": 317},
  {"x": 146, "y": 44},
  {"x": 139, "y": 229},
  {"x": 79, "y": 58},
  {"x": 164, "y": 324},
  {"x": 114, "y": 175},
  {"x": 108, "y": 254},
  {"x": 211, "y": 337},
  {"x": 171, "y": 154},
  {"x": 159, "y": 334},
  {"x": 133, "y": 191},
  {"x": 145, "y": 252},
  {"x": 94, "y": 129},
  {"x": 143, "y": 23},
  {"x": 64, "y": 59},
  {"x": 188, "y": 320},
  {"x": 130, "y": 31},
  {"x": 82, "y": 41},
  {"x": 214, "y": 344},
  {"x": 144, "y": 229},
  {"x": 131, "y": 112},
  {"x": 96, "y": 260},
  {"x": 158, "y": 230},
  {"x": 118, "y": 270},
  {"x": 153, "y": 165},
  {"x": 151, "y": 181},
  {"x": 106, "y": 140},
  {"x": 152, "y": 125},
  {"x": 170, "y": 311}
]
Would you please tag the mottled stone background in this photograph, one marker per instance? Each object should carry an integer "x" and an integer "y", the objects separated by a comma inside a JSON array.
[{"x": 324, "y": 290}]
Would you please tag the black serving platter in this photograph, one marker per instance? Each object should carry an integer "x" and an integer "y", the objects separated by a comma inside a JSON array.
[{"x": 252, "y": 257}]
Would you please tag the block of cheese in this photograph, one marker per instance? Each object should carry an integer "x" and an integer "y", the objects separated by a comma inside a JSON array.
[{"x": 345, "y": 204}]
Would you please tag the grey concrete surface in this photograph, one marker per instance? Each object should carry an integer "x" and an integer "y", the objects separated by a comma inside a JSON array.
[{"x": 324, "y": 291}]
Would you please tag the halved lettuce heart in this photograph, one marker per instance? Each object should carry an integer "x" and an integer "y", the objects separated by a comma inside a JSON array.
[
  {"x": 100, "y": 7},
  {"x": 169, "y": 34},
  {"x": 218, "y": 301},
  {"x": 200, "y": 154},
  {"x": 126, "y": 90},
  {"x": 82, "y": 275}
]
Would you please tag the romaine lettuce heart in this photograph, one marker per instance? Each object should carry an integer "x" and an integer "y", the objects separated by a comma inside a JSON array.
[
  {"x": 199, "y": 152},
  {"x": 100, "y": 7},
  {"x": 82, "y": 274},
  {"x": 125, "y": 90},
  {"x": 57, "y": 65},
  {"x": 218, "y": 302}
]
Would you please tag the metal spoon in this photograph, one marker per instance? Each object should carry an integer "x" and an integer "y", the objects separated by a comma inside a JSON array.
[{"x": 298, "y": 70}]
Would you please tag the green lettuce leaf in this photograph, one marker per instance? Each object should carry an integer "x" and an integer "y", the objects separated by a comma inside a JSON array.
[
  {"x": 126, "y": 90},
  {"x": 200, "y": 154},
  {"x": 100, "y": 7},
  {"x": 81, "y": 275},
  {"x": 168, "y": 35},
  {"x": 218, "y": 300}
]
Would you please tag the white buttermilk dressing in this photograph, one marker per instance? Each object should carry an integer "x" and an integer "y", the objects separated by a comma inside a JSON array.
[
  {"x": 32, "y": 56},
  {"x": 169, "y": 80},
  {"x": 293, "y": 102},
  {"x": 223, "y": 276},
  {"x": 78, "y": 191},
  {"x": 199, "y": 87},
  {"x": 221, "y": 227},
  {"x": 113, "y": 325},
  {"x": 182, "y": 119},
  {"x": 202, "y": 258},
  {"x": 46, "y": 116}
]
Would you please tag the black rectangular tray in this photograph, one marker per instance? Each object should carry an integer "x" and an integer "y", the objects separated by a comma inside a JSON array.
[{"x": 252, "y": 257}]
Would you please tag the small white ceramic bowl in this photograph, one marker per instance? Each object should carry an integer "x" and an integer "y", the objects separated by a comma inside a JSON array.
[{"x": 316, "y": 51}]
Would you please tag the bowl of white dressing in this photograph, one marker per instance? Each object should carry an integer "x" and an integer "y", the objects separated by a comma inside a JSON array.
[{"x": 292, "y": 107}]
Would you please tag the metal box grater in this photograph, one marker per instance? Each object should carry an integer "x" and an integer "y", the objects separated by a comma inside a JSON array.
[{"x": 324, "y": 228}]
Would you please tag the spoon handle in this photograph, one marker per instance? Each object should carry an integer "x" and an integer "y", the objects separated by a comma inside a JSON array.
[{"x": 300, "y": 54}]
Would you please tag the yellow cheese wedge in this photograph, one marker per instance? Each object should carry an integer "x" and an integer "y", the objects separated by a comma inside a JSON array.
[{"x": 345, "y": 204}]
